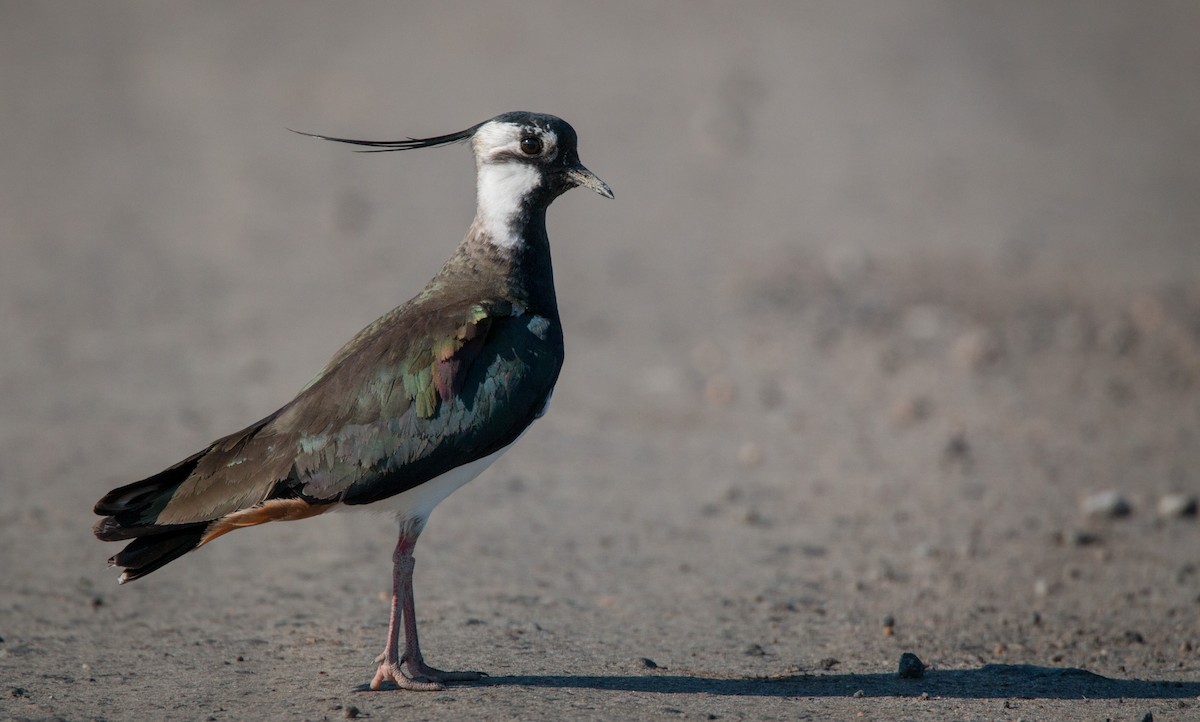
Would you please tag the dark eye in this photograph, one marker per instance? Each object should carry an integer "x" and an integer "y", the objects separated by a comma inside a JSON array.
[{"x": 531, "y": 145}]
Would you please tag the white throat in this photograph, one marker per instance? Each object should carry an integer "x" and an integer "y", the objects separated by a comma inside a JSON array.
[{"x": 501, "y": 187}]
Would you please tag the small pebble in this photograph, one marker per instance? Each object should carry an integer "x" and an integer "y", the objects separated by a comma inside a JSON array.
[
  {"x": 649, "y": 663},
  {"x": 911, "y": 410},
  {"x": 753, "y": 517},
  {"x": 1081, "y": 538},
  {"x": 1176, "y": 506},
  {"x": 1108, "y": 504},
  {"x": 925, "y": 550},
  {"x": 956, "y": 454},
  {"x": 859, "y": 694},
  {"x": 975, "y": 350},
  {"x": 911, "y": 667},
  {"x": 829, "y": 663},
  {"x": 718, "y": 391},
  {"x": 755, "y": 650},
  {"x": 750, "y": 454},
  {"x": 889, "y": 626},
  {"x": 352, "y": 712}
]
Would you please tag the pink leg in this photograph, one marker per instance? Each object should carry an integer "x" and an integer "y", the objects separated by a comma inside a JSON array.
[{"x": 408, "y": 671}]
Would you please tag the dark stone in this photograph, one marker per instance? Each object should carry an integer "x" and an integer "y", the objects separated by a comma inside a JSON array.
[{"x": 911, "y": 667}]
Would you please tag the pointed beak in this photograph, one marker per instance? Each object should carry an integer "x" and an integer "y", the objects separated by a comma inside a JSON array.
[{"x": 581, "y": 176}]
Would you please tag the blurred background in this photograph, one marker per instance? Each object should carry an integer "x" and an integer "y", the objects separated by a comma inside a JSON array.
[
  {"x": 904, "y": 277},
  {"x": 155, "y": 211}
]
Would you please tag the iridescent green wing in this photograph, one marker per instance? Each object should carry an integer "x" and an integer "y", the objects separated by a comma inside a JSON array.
[
  {"x": 413, "y": 396},
  {"x": 458, "y": 394}
]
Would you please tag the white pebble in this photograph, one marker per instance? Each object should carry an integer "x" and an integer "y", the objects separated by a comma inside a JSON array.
[
  {"x": 1174, "y": 506},
  {"x": 1108, "y": 504},
  {"x": 750, "y": 454}
]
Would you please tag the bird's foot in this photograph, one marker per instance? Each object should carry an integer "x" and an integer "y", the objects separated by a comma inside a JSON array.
[
  {"x": 389, "y": 672},
  {"x": 418, "y": 676}
]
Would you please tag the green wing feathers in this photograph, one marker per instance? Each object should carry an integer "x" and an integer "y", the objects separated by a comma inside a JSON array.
[
  {"x": 398, "y": 405},
  {"x": 470, "y": 390},
  {"x": 442, "y": 380}
]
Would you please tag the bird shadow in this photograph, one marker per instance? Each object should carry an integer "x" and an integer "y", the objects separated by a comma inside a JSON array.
[{"x": 991, "y": 681}]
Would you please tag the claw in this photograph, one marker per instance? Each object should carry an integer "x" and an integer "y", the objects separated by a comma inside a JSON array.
[
  {"x": 419, "y": 676},
  {"x": 390, "y": 672}
]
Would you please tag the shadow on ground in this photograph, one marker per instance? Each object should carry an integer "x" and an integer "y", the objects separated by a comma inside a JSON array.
[{"x": 992, "y": 681}]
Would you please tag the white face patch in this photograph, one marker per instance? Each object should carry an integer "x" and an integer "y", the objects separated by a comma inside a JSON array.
[
  {"x": 501, "y": 187},
  {"x": 503, "y": 182}
]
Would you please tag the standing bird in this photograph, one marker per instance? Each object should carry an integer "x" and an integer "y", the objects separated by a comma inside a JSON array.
[{"x": 413, "y": 407}]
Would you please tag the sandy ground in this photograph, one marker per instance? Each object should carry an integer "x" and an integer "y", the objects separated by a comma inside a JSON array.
[{"x": 887, "y": 291}]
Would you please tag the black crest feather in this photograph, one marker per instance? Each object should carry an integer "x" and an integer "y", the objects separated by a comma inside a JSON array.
[{"x": 384, "y": 146}]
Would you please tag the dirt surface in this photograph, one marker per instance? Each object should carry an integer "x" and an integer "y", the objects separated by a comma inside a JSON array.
[{"x": 888, "y": 293}]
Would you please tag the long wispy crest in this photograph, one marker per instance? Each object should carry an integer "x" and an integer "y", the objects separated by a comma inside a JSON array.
[{"x": 385, "y": 146}]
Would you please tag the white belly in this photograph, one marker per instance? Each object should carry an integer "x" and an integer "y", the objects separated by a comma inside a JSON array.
[{"x": 417, "y": 503}]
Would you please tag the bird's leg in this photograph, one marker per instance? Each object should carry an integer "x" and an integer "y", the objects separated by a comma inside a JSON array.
[
  {"x": 412, "y": 659},
  {"x": 389, "y": 661},
  {"x": 409, "y": 670}
]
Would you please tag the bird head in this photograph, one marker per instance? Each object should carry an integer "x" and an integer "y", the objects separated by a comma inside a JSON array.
[
  {"x": 539, "y": 150},
  {"x": 521, "y": 151}
]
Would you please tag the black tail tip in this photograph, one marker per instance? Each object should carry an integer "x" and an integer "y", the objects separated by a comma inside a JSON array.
[{"x": 146, "y": 553}]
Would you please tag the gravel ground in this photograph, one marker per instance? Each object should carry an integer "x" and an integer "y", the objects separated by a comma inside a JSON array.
[{"x": 889, "y": 343}]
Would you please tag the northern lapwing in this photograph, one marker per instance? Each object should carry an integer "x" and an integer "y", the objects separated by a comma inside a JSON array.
[{"x": 413, "y": 407}]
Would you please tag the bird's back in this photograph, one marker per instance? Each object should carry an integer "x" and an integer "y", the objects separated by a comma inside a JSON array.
[{"x": 452, "y": 376}]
